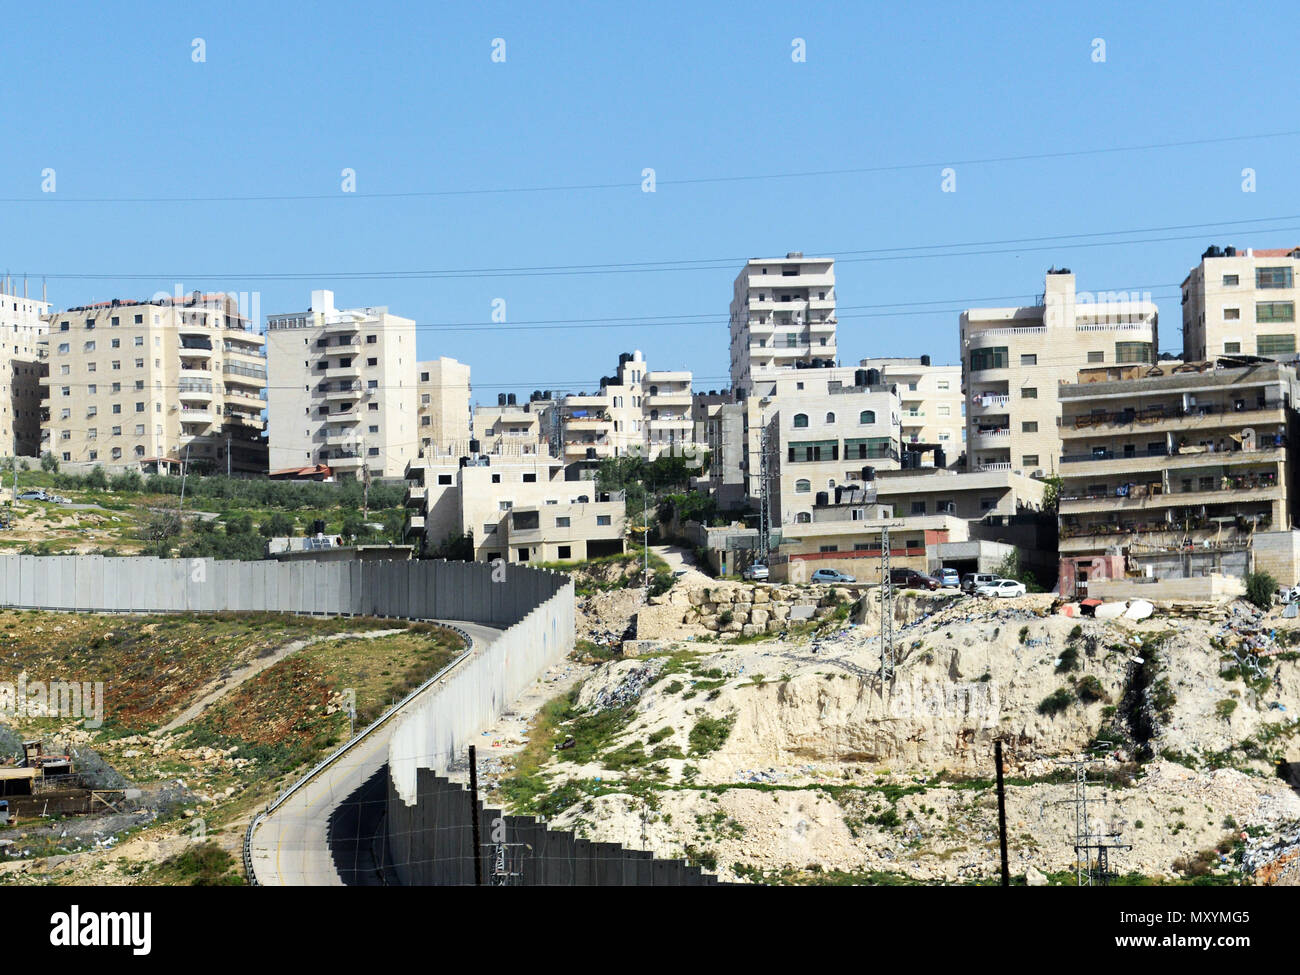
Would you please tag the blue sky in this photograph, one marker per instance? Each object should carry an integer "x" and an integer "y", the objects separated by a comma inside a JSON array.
[{"x": 110, "y": 98}]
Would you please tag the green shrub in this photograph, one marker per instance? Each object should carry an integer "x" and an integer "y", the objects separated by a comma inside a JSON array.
[
  {"x": 1260, "y": 588},
  {"x": 1056, "y": 702}
]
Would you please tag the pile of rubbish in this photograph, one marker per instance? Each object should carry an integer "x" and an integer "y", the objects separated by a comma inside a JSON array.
[{"x": 631, "y": 687}]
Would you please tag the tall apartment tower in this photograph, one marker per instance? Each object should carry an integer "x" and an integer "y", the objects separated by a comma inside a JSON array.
[
  {"x": 782, "y": 317},
  {"x": 22, "y": 329},
  {"x": 343, "y": 389},
  {"x": 1241, "y": 302},
  {"x": 1014, "y": 359},
  {"x": 166, "y": 380},
  {"x": 444, "y": 389}
]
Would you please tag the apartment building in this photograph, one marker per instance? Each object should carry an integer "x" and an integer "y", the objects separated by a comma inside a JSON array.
[
  {"x": 1241, "y": 303},
  {"x": 968, "y": 521},
  {"x": 343, "y": 389},
  {"x": 827, "y": 429},
  {"x": 22, "y": 362},
  {"x": 516, "y": 508},
  {"x": 509, "y": 428},
  {"x": 444, "y": 414},
  {"x": 1175, "y": 471},
  {"x": 169, "y": 379},
  {"x": 637, "y": 412},
  {"x": 1014, "y": 359},
  {"x": 933, "y": 407},
  {"x": 782, "y": 317}
]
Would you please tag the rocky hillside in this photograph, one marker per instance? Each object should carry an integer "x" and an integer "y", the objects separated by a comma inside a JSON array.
[{"x": 778, "y": 754}]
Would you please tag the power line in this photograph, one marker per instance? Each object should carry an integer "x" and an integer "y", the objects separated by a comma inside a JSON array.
[
  {"x": 637, "y": 184},
  {"x": 891, "y": 253}
]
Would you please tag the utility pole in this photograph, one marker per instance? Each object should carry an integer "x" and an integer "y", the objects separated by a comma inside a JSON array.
[
  {"x": 185, "y": 469},
  {"x": 227, "y": 455},
  {"x": 764, "y": 512},
  {"x": 473, "y": 817},
  {"x": 645, "y": 535},
  {"x": 1091, "y": 850},
  {"x": 886, "y": 611},
  {"x": 1002, "y": 814}
]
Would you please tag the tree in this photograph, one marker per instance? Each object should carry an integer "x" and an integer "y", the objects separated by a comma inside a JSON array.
[
  {"x": 279, "y": 525},
  {"x": 49, "y": 462},
  {"x": 1052, "y": 492},
  {"x": 97, "y": 479},
  {"x": 1260, "y": 588}
]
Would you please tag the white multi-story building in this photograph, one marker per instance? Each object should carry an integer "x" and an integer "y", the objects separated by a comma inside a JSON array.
[
  {"x": 1014, "y": 360},
  {"x": 933, "y": 408},
  {"x": 166, "y": 380},
  {"x": 22, "y": 331},
  {"x": 1241, "y": 303},
  {"x": 515, "y": 508},
  {"x": 343, "y": 389},
  {"x": 782, "y": 317},
  {"x": 638, "y": 412}
]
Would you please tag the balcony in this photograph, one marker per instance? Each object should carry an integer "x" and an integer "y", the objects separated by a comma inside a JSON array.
[
  {"x": 986, "y": 404},
  {"x": 194, "y": 392},
  {"x": 343, "y": 372},
  {"x": 244, "y": 375},
  {"x": 1108, "y": 462},
  {"x": 340, "y": 390},
  {"x": 342, "y": 324},
  {"x": 416, "y": 494},
  {"x": 994, "y": 437},
  {"x": 668, "y": 399},
  {"x": 1171, "y": 417},
  {"x": 190, "y": 415}
]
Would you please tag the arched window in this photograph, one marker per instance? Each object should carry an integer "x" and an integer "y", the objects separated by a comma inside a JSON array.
[
  {"x": 654, "y": 390},
  {"x": 867, "y": 416},
  {"x": 800, "y": 420},
  {"x": 803, "y": 517},
  {"x": 802, "y": 486},
  {"x": 830, "y": 417}
]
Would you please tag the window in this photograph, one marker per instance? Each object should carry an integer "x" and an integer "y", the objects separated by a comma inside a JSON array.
[
  {"x": 1029, "y": 392},
  {"x": 945, "y": 411},
  {"x": 1231, "y": 314},
  {"x": 1029, "y": 360},
  {"x": 1096, "y": 356},
  {"x": 802, "y": 486},
  {"x": 1231, "y": 280},
  {"x": 444, "y": 478},
  {"x": 992, "y": 358},
  {"x": 803, "y": 518},
  {"x": 943, "y": 385},
  {"x": 1275, "y": 311},
  {"x": 800, "y": 420},
  {"x": 602, "y": 520},
  {"x": 1029, "y": 460},
  {"x": 496, "y": 478},
  {"x": 1273, "y": 277},
  {"x": 562, "y": 522},
  {"x": 530, "y": 478},
  {"x": 1232, "y": 348},
  {"x": 1275, "y": 344},
  {"x": 523, "y": 555},
  {"x": 828, "y": 548},
  {"x": 564, "y": 551},
  {"x": 830, "y": 417},
  {"x": 918, "y": 507},
  {"x": 813, "y": 450},
  {"x": 988, "y": 504},
  {"x": 1134, "y": 352},
  {"x": 867, "y": 416},
  {"x": 371, "y": 339},
  {"x": 1029, "y": 426}
]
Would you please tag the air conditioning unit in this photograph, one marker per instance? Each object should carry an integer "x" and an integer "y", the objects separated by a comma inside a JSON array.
[{"x": 1039, "y": 473}]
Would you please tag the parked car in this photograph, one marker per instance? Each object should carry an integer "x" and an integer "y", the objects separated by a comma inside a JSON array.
[
  {"x": 911, "y": 579},
  {"x": 756, "y": 572},
  {"x": 1288, "y": 594},
  {"x": 1002, "y": 588},
  {"x": 832, "y": 575},
  {"x": 949, "y": 579},
  {"x": 33, "y": 496},
  {"x": 973, "y": 580}
]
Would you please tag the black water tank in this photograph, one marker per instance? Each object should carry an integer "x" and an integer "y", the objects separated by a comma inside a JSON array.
[
  {"x": 546, "y": 394},
  {"x": 839, "y": 494},
  {"x": 823, "y": 499},
  {"x": 860, "y": 377},
  {"x": 1230, "y": 252},
  {"x": 473, "y": 446},
  {"x": 501, "y": 399},
  {"x": 318, "y": 527},
  {"x": 940, "y": 458},
  {"x": 873, "y": 377},
  {"x": 868, "y": 473},
  {"x": 591, "y": 453},
  {"x": 511, "y": 399},
  {"x": 925, "y": 360}
]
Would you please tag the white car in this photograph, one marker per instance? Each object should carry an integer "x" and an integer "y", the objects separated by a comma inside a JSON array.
[
  {"x": 1002, "y": 587},
  {"x": 756, "y": 572}
]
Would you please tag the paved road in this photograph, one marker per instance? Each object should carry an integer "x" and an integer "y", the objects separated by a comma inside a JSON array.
[{"x": 289, "y": 847}]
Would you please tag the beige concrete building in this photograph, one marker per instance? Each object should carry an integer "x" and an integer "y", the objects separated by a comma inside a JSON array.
[
  {"x": 343, "y": 389},
  {"x": 825, "y": 431},
  {"x": 444, "y": 388},
  {"x": 520, "y": 509},
  {"x": 933, "y": 409},
  {"x": 782, "y": 317},
  {"x": 1013, "y": 360},
  {"x": 22, "y": 362},
  {"x": 638, "y": 411},
  {"x": 509, "y": 429},
  {"x": 1174, "y": 471},
  {"x": 1241, "y": 303},
  {"x": 166, "y": 379}
]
